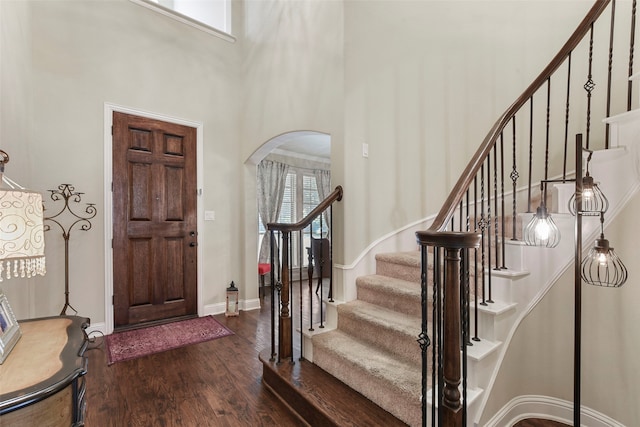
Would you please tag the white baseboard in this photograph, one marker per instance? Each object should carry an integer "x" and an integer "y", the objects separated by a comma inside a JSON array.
[
  {"x": 550, "y": 408},
  {"x": 213, "y": 309},
  {"x": 221, "y": 307}
]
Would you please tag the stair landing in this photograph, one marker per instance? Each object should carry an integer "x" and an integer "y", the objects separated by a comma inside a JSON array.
[{"x": 320, "y": 399}]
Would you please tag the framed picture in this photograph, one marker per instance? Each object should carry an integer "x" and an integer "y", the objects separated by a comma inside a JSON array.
[{"x": 9, "y": 328}]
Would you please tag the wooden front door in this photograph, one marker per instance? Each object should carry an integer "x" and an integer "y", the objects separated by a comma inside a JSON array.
[{"x": 154, "y": 220}]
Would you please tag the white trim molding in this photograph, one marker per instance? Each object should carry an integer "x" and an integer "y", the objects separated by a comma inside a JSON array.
[
  {"x": 156, "y": 7},
  {"x": 109, "y": 109},
  {"x": 549, "y": 408}
]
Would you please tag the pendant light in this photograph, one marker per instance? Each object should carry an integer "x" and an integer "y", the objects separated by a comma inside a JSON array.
[
  {"x": 593, "y": 199},
  {"x": 602, "y": 266},
  {"x": 542, "y": 230}
]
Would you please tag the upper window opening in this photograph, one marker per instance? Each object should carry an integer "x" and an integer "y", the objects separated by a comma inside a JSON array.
[{"x": 212, "y": 16}]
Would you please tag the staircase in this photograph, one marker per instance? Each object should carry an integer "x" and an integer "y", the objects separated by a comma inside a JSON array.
[
  {"x": 369, "y": 342},
  {"x": 373, "y": 347}
]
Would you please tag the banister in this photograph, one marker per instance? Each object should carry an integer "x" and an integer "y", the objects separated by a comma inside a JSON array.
[
  {"x": 336, "y": 195},
  {"x": 467, "y": 176}
]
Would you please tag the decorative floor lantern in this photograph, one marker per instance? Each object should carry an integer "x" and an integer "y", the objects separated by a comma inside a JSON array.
[{"x": 232, "y": 301}]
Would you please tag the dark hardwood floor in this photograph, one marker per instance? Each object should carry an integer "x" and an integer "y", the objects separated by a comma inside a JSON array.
[{"x": 216, "y": 383}]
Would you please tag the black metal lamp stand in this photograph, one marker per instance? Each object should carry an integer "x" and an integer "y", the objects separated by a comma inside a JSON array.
[{"x": 66, "y": 192}]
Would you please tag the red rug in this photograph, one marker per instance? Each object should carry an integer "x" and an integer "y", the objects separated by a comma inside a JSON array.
[{"x": 136, "y": 343}]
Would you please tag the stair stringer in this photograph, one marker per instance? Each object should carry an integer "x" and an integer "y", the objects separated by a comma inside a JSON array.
[{"x": 618, "y": 178}]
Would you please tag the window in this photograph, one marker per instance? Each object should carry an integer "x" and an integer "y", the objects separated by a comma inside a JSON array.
[
  {"x": 300, "y": 198},
  {"x": 211, "y": 16}
]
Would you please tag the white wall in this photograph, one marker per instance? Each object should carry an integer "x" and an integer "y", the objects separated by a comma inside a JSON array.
[
  {"x": 424, "y": 82},
  {"x": 61, "y": 61},
  {"x": 292, "y": 67}
]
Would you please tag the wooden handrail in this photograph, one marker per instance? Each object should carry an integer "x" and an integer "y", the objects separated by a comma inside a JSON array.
[
  {"x": 467, "y": 176},
  {"x": 336, "y": 195}
]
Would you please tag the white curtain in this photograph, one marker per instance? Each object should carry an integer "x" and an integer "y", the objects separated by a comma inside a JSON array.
[
  {"x": 323, "y": 184},
  {"x": 272, "y": 177}
]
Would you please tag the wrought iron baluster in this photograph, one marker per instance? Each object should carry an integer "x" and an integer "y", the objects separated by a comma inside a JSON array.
[
  {"x": 530, "y": 153},
  {"x": 503, "y": 213},
  {"x": 423, "y": 338},
  {"x": 475, "y": 262},
  {"x": 488, "y": 270},
  {"x": 300, "y": 266},
  {"x": 274, "y": 284},
  {"x": 483, "y": 228},
  {"x": 566, "y": 119},
  {"x": 609, "y": 68},
  {"x": 514, "y": 180},
  {"x": 589, "y": 86},
  {"x": 546, "y": 144},
  {"x": 632, "y": 42},
  {"x": 464, "y": 314},
  {"x": 437, "y": 335},
  {"x": 310, "y": 278},
  {"x": 495, "y": 206}
]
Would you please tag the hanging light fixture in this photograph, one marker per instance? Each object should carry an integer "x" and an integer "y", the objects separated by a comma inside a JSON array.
[
  {"x": 602, "y": 266},
  {"x": 593, "y": 199},
  {"x": 542, "y": 230}
]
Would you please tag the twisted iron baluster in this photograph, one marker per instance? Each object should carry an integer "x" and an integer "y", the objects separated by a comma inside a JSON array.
[
  {"x": 483, "y": 227},
  {"x": 423, "y": 338},
  {"x": 503, "y": 266},
  {"x": 475, "y": 262},
  {"x": 589, "y": 86},
  {"x": 566, "y": 119},
  {"x": 514, "y": 179}
]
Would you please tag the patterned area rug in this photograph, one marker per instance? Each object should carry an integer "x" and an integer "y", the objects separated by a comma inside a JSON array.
[{"x": 136, "y": 343}]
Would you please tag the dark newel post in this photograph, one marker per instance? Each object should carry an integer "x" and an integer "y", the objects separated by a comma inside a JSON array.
[
  {"x": 284, "y": 337},
  {"x": 451, "y": 414}
]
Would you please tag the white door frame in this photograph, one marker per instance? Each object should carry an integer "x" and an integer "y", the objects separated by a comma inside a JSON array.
[{"x": 109, "y": 109}]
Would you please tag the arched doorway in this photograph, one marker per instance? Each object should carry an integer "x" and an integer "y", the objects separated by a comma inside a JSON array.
[{"x": 303, "y": 159}]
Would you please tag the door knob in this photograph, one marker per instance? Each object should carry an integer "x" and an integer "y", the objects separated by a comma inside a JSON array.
[{"x": 192, "y": 244}]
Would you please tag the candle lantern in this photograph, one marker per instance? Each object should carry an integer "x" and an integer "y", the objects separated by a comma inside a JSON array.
[{"x": 232, "y": 300}]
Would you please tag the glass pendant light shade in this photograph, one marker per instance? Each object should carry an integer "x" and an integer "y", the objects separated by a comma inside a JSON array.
[
  {"x": 593, "y": 200},
  {"x": 542, "y": 230}
]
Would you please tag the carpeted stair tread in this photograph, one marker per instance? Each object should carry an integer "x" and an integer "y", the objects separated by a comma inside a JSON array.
[
  {"x": 386, "y": 329},
  {"x": 380, "y": 316},
  {"x": 390, "y": 292},
  {"x": 408, "y": 258},
  {"x": 400, "y": 265},
  {"x": 394, "y": 384}
]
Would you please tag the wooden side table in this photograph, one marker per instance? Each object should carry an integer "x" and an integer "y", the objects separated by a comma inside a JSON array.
[{"x": 42, "y": 379}]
